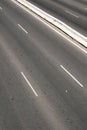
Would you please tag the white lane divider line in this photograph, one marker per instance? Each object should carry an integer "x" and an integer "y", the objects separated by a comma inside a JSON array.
[
  {"x": 29, "y": 84},
  {"x": 71, "y": 75},
  {"x": 22, "y": 28},
  {"x": 0, "y": 8},
  {"x": 71, "y": 14}
]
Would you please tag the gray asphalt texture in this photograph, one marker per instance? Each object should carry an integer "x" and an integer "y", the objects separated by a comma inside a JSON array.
[{"x": 61, "y": 103}]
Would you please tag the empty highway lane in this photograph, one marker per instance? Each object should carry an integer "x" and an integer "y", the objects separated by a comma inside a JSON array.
[{"x": 43, "y": 75}]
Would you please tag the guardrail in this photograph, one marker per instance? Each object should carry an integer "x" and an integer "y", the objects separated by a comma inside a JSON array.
[{"x": 54, "y": 21}]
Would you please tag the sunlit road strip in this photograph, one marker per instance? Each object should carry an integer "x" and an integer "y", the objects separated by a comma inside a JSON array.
[
  {"x": 29, "y": 84},
  {"x": 71, "y": 14},
  {"x": 0, "y": 8},
  {"x": 22, "y": 28},
  {"x": 71, "y": 76}
]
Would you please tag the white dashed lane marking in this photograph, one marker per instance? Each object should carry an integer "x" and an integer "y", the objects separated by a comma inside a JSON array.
[
  {"x": 71, "y": 14},
  {"x": 29, "y": 84},
  {"x": 71, "y": 76},
  {"x": 22, "y": 28}
]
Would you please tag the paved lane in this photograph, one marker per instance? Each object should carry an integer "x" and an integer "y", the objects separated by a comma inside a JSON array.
[{"x": 29, "y": 47}]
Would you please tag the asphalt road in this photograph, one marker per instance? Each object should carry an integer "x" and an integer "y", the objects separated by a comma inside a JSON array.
[
  {"x": 43, "y": 76},
  {"x": 71, "y": 12}
]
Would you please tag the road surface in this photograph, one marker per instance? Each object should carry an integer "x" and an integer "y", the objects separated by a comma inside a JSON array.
[{"x": 43, "y": 76}]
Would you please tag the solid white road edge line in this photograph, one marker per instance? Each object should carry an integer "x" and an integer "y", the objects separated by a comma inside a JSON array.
[
  {"x": 71, "y": 75},
  {"x": 67, "y": 29},
  {"x": 71, "y": 13},
  {"x": 75, "y": 44},
  {"x": 29, "y": 84},
  {"x": 82, "y": 49},
  {"x": 22, "y": 28}
]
